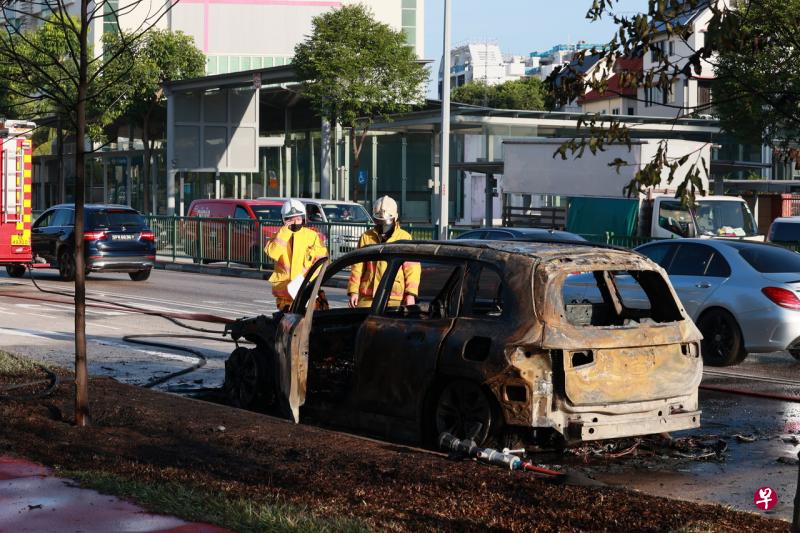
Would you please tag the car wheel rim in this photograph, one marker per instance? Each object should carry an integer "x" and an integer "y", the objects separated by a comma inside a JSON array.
[
  {"x": 463, "y": 411},
  {"x": 720, "y": 338},
  {"x": 66, "y": 265}
]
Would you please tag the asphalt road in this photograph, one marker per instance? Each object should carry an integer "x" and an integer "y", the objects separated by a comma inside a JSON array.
[{"x": 43, "y": 330}]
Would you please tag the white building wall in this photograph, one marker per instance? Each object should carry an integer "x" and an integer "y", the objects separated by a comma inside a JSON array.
[{"x": 248, "y": 34}]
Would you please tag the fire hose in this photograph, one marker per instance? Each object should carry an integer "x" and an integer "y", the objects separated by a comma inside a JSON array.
[
  {"x": 505, "y": 458},
  {"x": 53, "y": 379}
]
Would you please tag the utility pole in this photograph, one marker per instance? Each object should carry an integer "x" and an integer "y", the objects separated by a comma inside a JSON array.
[{"x": 444, "y": 159}]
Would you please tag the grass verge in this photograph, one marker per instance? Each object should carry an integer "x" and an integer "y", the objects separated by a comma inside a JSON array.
[
  {"x": 11, "y": 365},
  {"x": 234, "y": 513}
]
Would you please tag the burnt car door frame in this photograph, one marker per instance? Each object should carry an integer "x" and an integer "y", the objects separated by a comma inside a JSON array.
[
  {"x": 398, "y": 357},
  {"x": 291, "y": 344}
]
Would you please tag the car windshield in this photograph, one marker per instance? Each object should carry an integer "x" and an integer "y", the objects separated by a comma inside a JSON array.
[
  {"x": 106, "y": 218},
  {"x": 785, "y": 232},
  {"x": 770, "y": 259},
  {"x": 722, "y": 218},
  {"x": 346, "y": 213},
  {"x": 267, "y": 212}
]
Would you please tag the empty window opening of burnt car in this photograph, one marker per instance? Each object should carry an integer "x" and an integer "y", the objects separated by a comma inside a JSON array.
[
  {"x": 434, "y": 287},
  {"x": 621, "y": 298}
]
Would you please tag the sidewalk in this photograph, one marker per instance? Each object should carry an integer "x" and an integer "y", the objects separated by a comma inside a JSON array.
[{"x": 32, "y": 500}]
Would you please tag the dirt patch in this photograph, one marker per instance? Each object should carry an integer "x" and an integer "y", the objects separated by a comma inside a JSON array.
[{"x": 155, "y": 437}]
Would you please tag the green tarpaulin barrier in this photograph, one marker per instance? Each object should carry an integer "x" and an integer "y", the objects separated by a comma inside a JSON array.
[{"x": 596, "y": 216}]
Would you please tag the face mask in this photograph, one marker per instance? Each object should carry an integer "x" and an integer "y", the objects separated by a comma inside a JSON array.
[
  {"x": 295, "y": 227},
  {"x": 386, "y": 227}
]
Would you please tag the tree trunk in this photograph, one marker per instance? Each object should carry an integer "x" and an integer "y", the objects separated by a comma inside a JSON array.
[
  {"x": 146, "y": 162},
  {"x": 82, "y": 417}
]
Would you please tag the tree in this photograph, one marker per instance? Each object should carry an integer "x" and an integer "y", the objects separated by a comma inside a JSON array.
[
  {"x": 751, "y": 46},
  {"x": 527, "y": 93},
  {"x": 356, "y": 69},
  {"x": 158, "y": 57},
  {"x": 757, "y": 86},
  {"x": 68, "y": 79}
]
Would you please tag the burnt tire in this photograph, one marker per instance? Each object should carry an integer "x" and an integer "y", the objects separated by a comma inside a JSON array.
[
  {"x": 247, "y": 384},
  {"x": 795, "y": 354},
  {"x": 140, "y": 275},
  {"x": 723, "y": 344},
  {"x": 462, "y": 409},
  {"x": 66, "y": 266},
  {"x": 15, "y": 271}
]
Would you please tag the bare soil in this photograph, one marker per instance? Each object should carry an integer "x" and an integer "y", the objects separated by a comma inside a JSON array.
[{"x": 150, "y": 436}]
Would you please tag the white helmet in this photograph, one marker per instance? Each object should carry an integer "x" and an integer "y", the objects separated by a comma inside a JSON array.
[
  {"x": 385, "y": 210},
  {"x": 292, "y": 208}
]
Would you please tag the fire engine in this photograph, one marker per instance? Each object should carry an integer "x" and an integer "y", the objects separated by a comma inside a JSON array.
[{"x": 16, "y": 151}]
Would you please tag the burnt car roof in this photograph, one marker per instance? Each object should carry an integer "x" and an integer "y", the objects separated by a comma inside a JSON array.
[{"x": 530, "y": 249}]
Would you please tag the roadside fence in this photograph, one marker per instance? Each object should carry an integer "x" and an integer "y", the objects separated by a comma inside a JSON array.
[{"x": 230, "y": 240}]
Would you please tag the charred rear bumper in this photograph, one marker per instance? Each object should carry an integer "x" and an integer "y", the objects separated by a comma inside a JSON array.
[{"x": 597, "y": 427}]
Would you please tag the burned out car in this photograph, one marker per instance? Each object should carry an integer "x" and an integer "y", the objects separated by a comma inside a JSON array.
[{"x": 491, "y": 348}]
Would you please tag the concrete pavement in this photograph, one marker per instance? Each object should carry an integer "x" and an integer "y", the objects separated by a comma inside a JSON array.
[{"x": 33, "y": 500}]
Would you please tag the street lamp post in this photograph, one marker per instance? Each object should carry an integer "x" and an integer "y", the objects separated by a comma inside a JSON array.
[{"x": 444, "y": 160}]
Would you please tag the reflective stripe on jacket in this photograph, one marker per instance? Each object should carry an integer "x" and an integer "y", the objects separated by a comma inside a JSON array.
[
  {"x": 293, "y": 253},
  {"x": 365, "y": 277}
]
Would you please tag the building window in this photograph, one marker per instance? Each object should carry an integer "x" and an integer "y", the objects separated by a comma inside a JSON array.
[
  {"x": 211, "y": 65},
  {"x": 409, "y": 22},
  {"x": 615, "y": 111},
  {"x": 671, "y": 93},
  {"x": 110, "y": 16},
  {"x": 648, "y": 96},
  {"x": 671, "y": 48},
  {"x": 631, "y": 111}
]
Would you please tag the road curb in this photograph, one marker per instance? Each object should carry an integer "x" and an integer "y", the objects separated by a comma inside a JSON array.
[
  {"x": 213, "y": 270},
  {"x": 338, "y": 282}
]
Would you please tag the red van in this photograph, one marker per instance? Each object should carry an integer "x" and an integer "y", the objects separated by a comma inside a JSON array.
[{"x": 233, "y": 231}]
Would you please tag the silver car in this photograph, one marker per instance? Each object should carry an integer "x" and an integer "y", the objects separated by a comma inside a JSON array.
[{"x": 742, "y": 295}]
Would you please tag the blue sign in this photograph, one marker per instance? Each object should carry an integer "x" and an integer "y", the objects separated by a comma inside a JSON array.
[{"x": 362, "y": 177}]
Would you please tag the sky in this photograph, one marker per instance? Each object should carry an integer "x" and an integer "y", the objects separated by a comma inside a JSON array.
[{"x": 518, "y": 26}]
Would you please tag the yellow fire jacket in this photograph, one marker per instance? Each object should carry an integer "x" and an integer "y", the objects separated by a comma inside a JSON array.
[
  {"x": 365, "y": 277},
  {"x": 294, "y": 253}
]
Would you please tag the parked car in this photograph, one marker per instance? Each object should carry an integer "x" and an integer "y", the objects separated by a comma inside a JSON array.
[
  {"x": 116, "y": 239},
  {"x": 742, "y": 295},
  {"x": 345, "y": 221},
  {"x": 490, "y": 348},
  {"x": 521, "y": 234},
  {"x": 233, "y": 234},
  {"x": 785, "y": 231}
]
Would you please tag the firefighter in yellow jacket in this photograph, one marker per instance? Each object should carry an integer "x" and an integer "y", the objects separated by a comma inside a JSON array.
[
  {"x": 294, "y": 249},
  {"x": 365, "y": 277}
]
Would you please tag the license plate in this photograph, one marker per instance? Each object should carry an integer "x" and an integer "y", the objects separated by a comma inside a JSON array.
[
  {"x": 123, "y": 237},
  {"x": 20, "y": 240}
]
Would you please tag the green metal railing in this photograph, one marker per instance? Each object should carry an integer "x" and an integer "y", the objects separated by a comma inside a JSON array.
[{"x": 229, "y": 240}]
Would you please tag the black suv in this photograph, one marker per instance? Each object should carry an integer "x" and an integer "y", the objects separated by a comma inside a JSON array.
[{"x": 116, "y": 239}]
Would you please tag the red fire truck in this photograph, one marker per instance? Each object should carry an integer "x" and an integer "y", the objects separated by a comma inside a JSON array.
[{"x": 16, "y": 151}]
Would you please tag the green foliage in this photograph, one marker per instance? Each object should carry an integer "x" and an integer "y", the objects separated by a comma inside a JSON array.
[
  {"x": 757, "y": 89},
  {"x": 357, "y": 68},
  {"x": 526, "y": 94},
  {"x": 200, "y": 504},
  {"x": 146, "y": 63}
]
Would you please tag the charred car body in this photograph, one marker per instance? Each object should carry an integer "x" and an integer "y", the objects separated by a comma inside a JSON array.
[{"x": 490, "y": 348}]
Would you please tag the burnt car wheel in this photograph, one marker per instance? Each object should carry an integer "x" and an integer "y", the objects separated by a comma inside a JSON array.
[
  {"x": 795, "y": 354},
  {"x": 246, "y": 384},
  {"x": 722, "y": 339},
  {"x": 66, "y": 266},
  {"x": 140, "y": 275},
  {"x": 15, "y": 271},
  {"x": 463, "y": 410}
]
